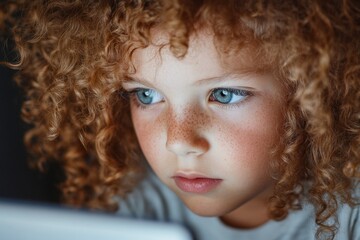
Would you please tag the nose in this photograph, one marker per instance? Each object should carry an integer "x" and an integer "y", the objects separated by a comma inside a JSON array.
[{"x": 184, "y": 136}]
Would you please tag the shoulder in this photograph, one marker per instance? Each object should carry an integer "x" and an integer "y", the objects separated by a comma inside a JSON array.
[
  {"x": 349, "y": 222},
  {"x": 349, "y": 218}
]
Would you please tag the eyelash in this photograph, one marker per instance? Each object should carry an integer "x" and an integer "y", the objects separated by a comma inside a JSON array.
[
  {"x": 130, "y": 95},
  {"x": 239, "y": 92}
]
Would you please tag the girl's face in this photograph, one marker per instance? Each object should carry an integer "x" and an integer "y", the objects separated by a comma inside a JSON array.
[{"x": 206, "y": 128}]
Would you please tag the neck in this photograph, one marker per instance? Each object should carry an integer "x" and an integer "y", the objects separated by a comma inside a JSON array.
[
  {"x": 246, "y": 218},
  {"x": 250, "y": 215}
]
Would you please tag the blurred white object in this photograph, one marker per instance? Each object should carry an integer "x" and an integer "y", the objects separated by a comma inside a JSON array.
[{"x": 36, "y": 222}]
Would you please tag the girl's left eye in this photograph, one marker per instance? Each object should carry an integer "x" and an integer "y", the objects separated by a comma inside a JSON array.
[{"x": 228, "y": 95}]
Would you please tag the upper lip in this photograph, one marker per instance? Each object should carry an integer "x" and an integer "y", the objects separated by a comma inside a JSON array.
[{"x": 191, "y": 175}]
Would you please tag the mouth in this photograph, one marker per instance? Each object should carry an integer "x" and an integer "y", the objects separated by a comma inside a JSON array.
[{"x": 194, "y": 183}]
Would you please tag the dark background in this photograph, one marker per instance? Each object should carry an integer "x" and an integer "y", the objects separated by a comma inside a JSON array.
[{"x": 17, "y": 180}]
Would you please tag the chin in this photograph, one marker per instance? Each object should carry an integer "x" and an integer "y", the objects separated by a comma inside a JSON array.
[{"x": 206, "y": 207}]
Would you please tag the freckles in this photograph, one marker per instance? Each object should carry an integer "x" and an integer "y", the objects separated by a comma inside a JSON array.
[
  {"x": 147, "y": 135},
  {"x": 251, "y": 138},
  {"x": 186, "y": 124},
  {"x": 238, "y": 144}
]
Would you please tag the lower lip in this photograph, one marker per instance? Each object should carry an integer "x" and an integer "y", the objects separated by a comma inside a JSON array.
[{"x": 196, "y": 185}]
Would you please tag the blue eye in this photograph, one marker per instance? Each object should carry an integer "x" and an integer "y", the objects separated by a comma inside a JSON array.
[
  {"x": 228, "y": 95},
  {"x": 148, "y": 96}
]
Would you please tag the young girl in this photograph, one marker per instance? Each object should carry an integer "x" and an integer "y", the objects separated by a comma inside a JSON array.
[{"x": 248, "y": 112}]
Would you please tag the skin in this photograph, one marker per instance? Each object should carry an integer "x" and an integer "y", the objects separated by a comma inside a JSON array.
[{"x": 187, "y": 131}]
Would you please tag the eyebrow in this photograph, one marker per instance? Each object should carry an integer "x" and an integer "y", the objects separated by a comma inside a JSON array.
[
  {"x": 136, "y": 80},
  {"x": 213, "y": 79},
  {"x": 205, "y": 81},
  {"x": 198, "y": 82}
]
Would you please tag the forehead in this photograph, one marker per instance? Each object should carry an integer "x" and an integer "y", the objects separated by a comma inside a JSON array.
[{"x": 204, "y": 59}]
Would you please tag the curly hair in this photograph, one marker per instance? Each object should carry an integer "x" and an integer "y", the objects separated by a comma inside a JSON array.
[{"x": 74, "y": 55}]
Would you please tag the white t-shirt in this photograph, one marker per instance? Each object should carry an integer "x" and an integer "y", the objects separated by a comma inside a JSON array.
[{"x": 153, "y": 200}]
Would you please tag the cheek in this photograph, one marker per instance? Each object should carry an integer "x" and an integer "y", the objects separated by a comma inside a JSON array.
[
  {"x": 148, "y": 134},
  {"x": 249, "y": 140}
]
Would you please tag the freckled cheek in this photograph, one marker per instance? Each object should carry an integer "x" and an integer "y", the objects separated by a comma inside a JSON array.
[
  {"x": 149, "y": 136},
  {"x": 249, "y": 140}
]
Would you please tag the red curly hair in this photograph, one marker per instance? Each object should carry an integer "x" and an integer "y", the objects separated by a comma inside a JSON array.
[{"x": 74, "y": 55}]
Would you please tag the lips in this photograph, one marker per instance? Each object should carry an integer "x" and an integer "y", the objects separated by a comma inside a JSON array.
[{"x": 196, "y": 184}]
